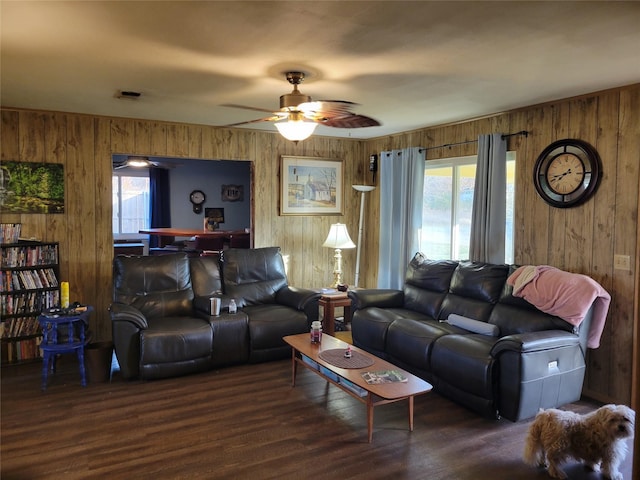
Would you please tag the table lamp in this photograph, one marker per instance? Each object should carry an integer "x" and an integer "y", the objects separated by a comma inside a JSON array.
[{"x": 338, "y": 239}]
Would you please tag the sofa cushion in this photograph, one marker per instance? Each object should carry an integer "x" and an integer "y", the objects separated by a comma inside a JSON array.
[
  {"x": 512, "y": 320},
  {"x": 427, "y": 283},
  {"x": 409, "y": 341},
  {"x": 253, "y": 275},
  {"x": 158, "y": 286},
  {"x": 475, "y": 326},
  {"x": 465, "y": 362},
  {"x": 478, "y": 280},
  {"x": 206, "y": 277},
  {"x": 172, "y": 339}
]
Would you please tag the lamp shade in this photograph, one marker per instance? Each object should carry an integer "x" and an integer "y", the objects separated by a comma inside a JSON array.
[
  {"x": 296, "y": 128},
  {"x": 338, "y": 237}
]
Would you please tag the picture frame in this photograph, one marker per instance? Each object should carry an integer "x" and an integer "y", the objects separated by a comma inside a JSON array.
[
  {"x": 31, "y": 187},
  {"x": 311, "y": 186}
]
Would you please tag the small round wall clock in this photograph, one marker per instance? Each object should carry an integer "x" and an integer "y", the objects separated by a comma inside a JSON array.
[
  {"x": 197, "y": 198},
  {"x": 567, "y": 173}
]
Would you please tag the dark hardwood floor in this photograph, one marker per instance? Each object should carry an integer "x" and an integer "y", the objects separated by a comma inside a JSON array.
[{"x": 244, "y": 422}]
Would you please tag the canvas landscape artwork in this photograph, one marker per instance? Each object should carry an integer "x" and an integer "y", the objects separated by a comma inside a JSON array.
[{"x": 28, "y": 187}]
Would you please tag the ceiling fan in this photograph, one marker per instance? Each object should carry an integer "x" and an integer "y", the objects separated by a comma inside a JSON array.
[
  {"x": 299, "y": 115},
  {"x": 137, "y": 161}
]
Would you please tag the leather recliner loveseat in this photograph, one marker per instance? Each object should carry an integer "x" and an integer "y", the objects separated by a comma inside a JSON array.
[
  {"x": 458, "y": 326},
  {"x": 161, "y": 318}
]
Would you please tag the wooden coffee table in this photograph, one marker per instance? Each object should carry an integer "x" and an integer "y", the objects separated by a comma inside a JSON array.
[{"x": 350, "y": 379}]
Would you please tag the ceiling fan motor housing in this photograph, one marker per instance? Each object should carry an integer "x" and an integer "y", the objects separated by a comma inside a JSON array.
[{"x": 290, "y": 101}]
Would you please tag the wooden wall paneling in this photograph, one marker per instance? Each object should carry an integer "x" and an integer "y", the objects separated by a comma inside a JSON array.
[
  {"x": 123, "y": 136},
  {"x": 535, "y": 235},
  {"x": 9, "y": 136},
  {"x": 142, "y": 138},
  {"x": 230, "y": 144},
  {"x": 31, "y": 137},
  {"x": 583, "y": 124},
  {"x": 177, "y": 140},
  {"x": 621, "y": 318},
  {"x": 55, "y": 141},
  {"x": 81, "y": 214},
  {"x": 599, "y": 360},
  {"x": 265, "y": 191},
  {"x": 32, "y": 126},
  {"x": 559, "y": 129},
  {"x": 158, "y": 138},
  {"x": 196, "y": 135},
  {"x": 104, "y": 231},
  {"x": 51, "y": 228},
  {"x": 207, "y": 143}
]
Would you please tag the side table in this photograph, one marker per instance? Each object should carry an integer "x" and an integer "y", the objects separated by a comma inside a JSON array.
[
  {"x": 329, "y": 302},
  {"x": 63, "y": 332}
]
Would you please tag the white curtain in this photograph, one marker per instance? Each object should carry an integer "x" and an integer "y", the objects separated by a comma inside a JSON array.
[
  {"x": 401, "y": 182},
  {"x": 489, "y": 200}
]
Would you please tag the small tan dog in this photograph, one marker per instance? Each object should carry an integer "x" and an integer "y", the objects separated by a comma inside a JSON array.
[{"x": 597, "y": 438}]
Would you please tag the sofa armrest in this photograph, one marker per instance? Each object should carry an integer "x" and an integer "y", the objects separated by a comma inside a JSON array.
[
  {"x": 302, "y": 299},
  {"x": 121, "y": 312},
  {"x": 376, "y": 297},
  {"x": 535, "y": 341},
  {"x": 297, "y": 298}
]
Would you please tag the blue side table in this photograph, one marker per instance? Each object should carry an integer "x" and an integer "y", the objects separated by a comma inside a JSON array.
[{"x": 63, "y": 332}]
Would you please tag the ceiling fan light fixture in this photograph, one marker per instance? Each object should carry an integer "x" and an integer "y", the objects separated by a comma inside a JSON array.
[
  {"x": 296, "y": 128},
  {"x": 138, "y": 162}
]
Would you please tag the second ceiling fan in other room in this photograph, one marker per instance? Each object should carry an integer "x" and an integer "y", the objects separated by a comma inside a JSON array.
[{"x": 299, "y": 115}]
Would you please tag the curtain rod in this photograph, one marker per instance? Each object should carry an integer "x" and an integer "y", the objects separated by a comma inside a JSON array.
[{"x": 524, "y": 133}]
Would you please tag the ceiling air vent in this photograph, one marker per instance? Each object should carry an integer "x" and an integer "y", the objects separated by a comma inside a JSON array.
[{"x": 128, "y": 94}]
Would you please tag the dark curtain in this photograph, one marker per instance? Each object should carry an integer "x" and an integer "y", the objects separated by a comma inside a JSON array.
[{"x": 159, "y": 202}]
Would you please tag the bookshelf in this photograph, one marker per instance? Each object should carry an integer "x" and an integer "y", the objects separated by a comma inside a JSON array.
[{"x": 29, "y": 273}]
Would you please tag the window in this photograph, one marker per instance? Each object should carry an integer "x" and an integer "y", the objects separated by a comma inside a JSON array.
[
  {"x": 130, "y": 202},
  {"x": 447, "y": 207}
]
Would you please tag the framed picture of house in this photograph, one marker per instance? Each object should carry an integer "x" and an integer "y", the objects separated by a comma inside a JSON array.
[{"x": 311, "y": 186}]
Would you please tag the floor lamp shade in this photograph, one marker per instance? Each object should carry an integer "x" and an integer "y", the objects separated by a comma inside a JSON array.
[
  {"x": 338, "y": 239},
  {"x": 362, "y": 189}
]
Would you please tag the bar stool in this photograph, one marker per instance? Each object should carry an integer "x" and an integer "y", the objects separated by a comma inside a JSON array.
[{"x": 63, "y": 333}]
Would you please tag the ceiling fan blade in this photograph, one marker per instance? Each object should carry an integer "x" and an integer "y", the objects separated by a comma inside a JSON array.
[
  {"x": 119, "y": 166},
  {"x": 273, "y": 118},
  {"x": 336, "y": 113},
  {"x": 351, "y": 120},
  {"x": 245, "y": 107}
]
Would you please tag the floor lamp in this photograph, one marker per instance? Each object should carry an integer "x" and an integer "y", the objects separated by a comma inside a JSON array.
[{"x": 362, "y": 189}]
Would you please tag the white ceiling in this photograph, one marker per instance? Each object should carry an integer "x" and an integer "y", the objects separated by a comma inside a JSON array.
[{"x": 408, "y": 64}]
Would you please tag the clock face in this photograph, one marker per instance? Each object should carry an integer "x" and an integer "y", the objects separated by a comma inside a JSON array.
[
  {"x": 197, "y": 197},
  {"x": 567, "y": 173}
]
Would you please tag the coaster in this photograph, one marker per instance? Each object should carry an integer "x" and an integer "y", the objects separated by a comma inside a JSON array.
[{"x": 336, "y": 358}]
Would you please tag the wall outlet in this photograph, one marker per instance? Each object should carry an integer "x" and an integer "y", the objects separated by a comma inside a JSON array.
[{"x": 622, "y": 262}]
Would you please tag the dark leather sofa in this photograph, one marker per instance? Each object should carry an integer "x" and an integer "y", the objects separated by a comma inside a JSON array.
[
  {"x": 161, "y": 311},
  {"x": 534, "y": 361}
]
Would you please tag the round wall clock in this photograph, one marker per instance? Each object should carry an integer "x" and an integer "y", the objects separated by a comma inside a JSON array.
[
  {"x": 197, "y": 198},
  {"x": 567, "y": 173}
]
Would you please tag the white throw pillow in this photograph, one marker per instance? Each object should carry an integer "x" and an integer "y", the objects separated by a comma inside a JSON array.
[{"x": 475, "y": 326}]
